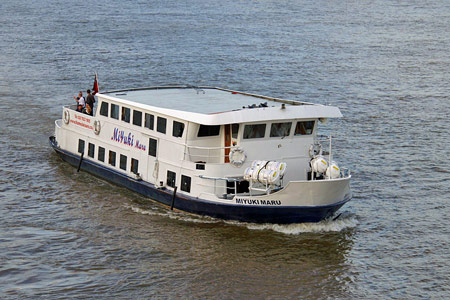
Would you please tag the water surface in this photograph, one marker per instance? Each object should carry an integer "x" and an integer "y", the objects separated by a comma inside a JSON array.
[{"x": 386, "y": 64}]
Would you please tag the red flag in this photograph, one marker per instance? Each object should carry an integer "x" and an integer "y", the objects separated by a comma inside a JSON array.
[{"x": 95, "y": 88}]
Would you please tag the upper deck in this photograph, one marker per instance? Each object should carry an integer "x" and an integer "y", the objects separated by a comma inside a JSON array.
[{"x": 216, "y": 106}]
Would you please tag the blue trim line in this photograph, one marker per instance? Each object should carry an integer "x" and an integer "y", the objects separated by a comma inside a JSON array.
[{"x": 254, "y": 214}]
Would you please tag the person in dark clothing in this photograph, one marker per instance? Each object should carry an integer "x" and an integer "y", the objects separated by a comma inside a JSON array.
[{"x": 90, "y": 100}]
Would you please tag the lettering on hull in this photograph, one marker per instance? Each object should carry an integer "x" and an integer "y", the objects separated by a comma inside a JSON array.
[
  {"x": 121, "y": 137},
  {"x": 258, "y": 202},
  {"x": 82, "y": 121}
]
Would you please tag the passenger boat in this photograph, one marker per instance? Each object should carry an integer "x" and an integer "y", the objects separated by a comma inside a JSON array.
[{"x": 210, "y": 151}]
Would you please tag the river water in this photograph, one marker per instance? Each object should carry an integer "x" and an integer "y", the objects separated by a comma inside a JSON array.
[{"x": 386, "y": 64}]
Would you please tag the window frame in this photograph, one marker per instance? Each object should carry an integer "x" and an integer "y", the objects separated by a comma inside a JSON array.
[
  {"x": 273, "y": 130},
  {"x": 186, "y": 183},
  {"x": 134, "y": 168},
  {"x": 126, "y": 117},
  {"x": 205, "y": 130},
  {"x": 151, "y": 121},
  {"x": 150, "y": 141},
  {"x": 171, "y": 179},
  {"x": 134, "y": 117},
  {"x": 254, "y": 125},
  {"x": 81, "y": 146},
  {"x": 306, "y": 129},
  {"x": 159, "y": 126},
  {"x": 91, "y": 147},
  {"x": 235, "y": 130},
  {"x": 114, "y": 113},
  {"x": 123, "y": 162},
  {"x": 102, "y": 109},
  {"x": 101, "y": 150},
  {"x": 111, "y": 155},
  {"x": 175, "y": 124}
]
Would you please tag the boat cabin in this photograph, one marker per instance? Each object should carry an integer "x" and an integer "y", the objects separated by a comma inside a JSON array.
[{"x": 200, "y": 139}]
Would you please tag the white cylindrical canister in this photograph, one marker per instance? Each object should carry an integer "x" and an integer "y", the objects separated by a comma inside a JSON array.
[{"x": 334, "y": 170}]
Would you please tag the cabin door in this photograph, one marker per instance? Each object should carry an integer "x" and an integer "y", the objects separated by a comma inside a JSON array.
[
  {"x": 227, "y": 142},
  {"x": 152, "y": 160}
]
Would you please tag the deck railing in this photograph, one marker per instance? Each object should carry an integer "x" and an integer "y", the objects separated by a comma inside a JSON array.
[{"x": 206, "y": 154}]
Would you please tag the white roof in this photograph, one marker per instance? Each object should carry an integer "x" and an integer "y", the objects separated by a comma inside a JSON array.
[{"x": 216, "y": 106}]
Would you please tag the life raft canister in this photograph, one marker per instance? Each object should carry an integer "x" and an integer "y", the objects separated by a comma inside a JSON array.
[
  {"x": 66, "y": 116},
  {"x": 97, "y": 127}
]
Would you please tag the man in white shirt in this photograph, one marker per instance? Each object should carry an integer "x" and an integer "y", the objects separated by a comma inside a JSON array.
[{"x": 80, "y": 102}]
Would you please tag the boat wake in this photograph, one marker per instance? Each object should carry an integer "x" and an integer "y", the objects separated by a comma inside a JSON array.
[
  {"x": 345, "y": 221},
  {"x": 173, "y": 215}
]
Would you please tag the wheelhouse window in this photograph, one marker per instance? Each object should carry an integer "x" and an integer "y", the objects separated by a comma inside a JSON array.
[
  {"x": 101, "y": 154},
  {"x": 280, "y": 129},
  {"x": 91, "y": 150},
  {"x": 123, "y": 162},
  {"x": 304, "y": 128},
  {"x": 125, "y": 114},
  {"x": 104, "y": 109},
  {"x": 171, "y": 178},
  {"x": 80, "y": 146},
  {"x": 134, "y": 166},
  {"x": 114, "y": 111},
  {"x": 161, "y": 124},
  {"x": 177, "y": 129},
  {"x": 186, "y": 183},
  {"x": 234, "y": 130},
  {"x": 137, "y": 118},
  {"x": 152, "y": 147},
  {"x": 149, "y": 121},
  {"x": 254, "y": 131},
  {"x": 208, "y": 130},
  {"x": 112, "y": 158}
]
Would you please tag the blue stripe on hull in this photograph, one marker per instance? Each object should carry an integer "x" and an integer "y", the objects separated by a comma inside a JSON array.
[{"x": 255, "y": 214}]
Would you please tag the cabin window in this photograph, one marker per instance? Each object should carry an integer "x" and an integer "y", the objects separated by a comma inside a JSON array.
[
  {"x": 186, "y": 183},
  {"x": 171, "y": 178},
  {"x": 177, "y": 129},
  {"x": 149, "y": 121},
  {"x": 304, "y": 128},
  {"x": 208, "y": 130},
  {"x": 280, "y": 129},
  {"x": 234, "y": 131},
  {"x": 114, "y": 111},
  {"x": 91, "y": 150},
  {"x": 101, "y": 154},
  {"x": 125, "y": 114},
  {"x": 80, "y": 146},
  {"x": 134, "y": 166},
  {"x": 152, "y": 146},
  {"x": 254, "y": 131},
  {"x": 104, "y": 109},
  {"x": 161, "y": 124},
  {"x": 123, "y": 162},
  {"x": 137, "y": 118},
  {"x": 112, "y": 158}
]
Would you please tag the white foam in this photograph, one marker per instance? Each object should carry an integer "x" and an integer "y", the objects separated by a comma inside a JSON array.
[
  {"x": 343, "y": 222},
  {"x": 173, "y": 215}
]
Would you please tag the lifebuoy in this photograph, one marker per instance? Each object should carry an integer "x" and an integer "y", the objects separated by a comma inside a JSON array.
[
  {"x": 97, "y": 127},
  {"x": 237, "y": 157},
  {"x": 66, "y": 116}
]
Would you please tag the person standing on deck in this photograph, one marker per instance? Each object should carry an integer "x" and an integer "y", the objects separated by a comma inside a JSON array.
[
  {"x": 80, "y": 102},
  {"x": 90, "y": 100}
]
